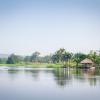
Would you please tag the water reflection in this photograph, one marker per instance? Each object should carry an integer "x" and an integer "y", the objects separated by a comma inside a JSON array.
[
  {"x": 86, "y": 75},
  {"x": 61, "y": 76},
  {"x": 13, "y": 73},
  {"x": 65, "y": 76},
  {"x": 34, "y": 73}
]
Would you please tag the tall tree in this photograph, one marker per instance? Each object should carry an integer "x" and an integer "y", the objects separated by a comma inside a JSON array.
[
  {"x": 34, "y": 57},
  {"x": 78, "y": 57},
  {"x": 55, "y": 58},
  {"x": 13, "y": 59},
  {"x": 66, "y": 57},
  {"x": 94, "y": 57},
  {"x": 58, "y": 56},
  {"x": 61, "y": 56}
]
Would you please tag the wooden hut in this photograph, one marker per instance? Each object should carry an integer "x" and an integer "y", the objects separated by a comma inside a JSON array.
[{"x": 87, "y": 63}]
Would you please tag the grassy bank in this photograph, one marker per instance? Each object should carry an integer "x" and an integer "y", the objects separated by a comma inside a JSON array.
[{"x": 34, "y": 65}]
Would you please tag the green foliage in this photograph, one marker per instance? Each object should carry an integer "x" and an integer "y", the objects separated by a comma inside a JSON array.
[
  {"x": 94, "y": 57},
  {"x": 55, "y": 58},
  {"x": 27, "y": 59},
  {"x": 78, "y": 57},
  {"x": 54, "y": 65},
  {"x": 66, "y": 57},
  {"x": 61, "y": 56},
  {"x": 45, "y": 59},
  {"x": 34, "y": 57},
  {"x": 3, "y": 60},
  {"x": 13, "y": 59}
]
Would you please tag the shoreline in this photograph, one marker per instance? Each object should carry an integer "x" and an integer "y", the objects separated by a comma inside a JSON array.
[{"x": 35, "y": 65}]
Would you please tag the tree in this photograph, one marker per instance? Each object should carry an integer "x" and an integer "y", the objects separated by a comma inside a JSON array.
[
  {"x": 13, "y": 59},
  {"x": 0, "y": 61},
  {"x": 98, "y": 60},
  {"x": 78, "y": 57},
  {"x": 66, "y": 57},
  {"x": 34, "y": 57},
  {"x": 55, "y": 58},
  {"x": 27, "y": 59},
  {"x": 46, "y": 59},
  {"x": 61, "y": 56},
  {"x": 58, "y": 56},
  {"x": 3, "y": 60},
  {"x": 94, "y": 57}
]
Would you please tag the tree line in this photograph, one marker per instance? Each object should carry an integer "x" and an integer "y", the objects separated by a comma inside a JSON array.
[{"x": 61, "y": 56}]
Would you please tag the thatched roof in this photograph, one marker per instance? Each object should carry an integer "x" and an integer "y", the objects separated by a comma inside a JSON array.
[{"x": 86, "y": 61}]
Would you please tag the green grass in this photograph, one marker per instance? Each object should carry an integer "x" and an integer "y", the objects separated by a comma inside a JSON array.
[
  {"x": 54, "y": 65},
  {"x": 34, "y": 65},
  {"x": 39, "y": 65}
]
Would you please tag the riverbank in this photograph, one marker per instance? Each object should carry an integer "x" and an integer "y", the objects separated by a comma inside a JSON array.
[{"x": 34, "y": 65}]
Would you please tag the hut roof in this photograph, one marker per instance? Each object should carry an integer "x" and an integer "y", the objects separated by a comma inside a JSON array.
[{"x": 86, "y": 61}]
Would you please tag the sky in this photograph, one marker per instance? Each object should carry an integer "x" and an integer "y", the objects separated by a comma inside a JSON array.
[{"x": 27, "y": 26}]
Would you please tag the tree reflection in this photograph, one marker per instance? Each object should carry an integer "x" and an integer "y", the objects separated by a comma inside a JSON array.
[
  {"x": 86, "y": 75},
  {"x": 13, "y": 72},
  {"x": 34, "y": 73},
  {"x": 65, "y": 76},
  {"x": 93, "y": 81},
  {"x": 62, "y": 76}
]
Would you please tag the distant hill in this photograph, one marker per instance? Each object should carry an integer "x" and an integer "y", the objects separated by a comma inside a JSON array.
[{"x": 4, "y": 55}]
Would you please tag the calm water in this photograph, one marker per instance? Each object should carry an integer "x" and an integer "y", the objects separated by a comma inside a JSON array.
[{"x": 48, "y": 84}]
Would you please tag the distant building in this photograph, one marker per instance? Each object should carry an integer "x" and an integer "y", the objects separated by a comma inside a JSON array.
[{"x": 87, "y": 63}]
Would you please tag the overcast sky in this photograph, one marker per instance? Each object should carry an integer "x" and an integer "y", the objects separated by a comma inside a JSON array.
[{"x": 47, "y": 25}]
